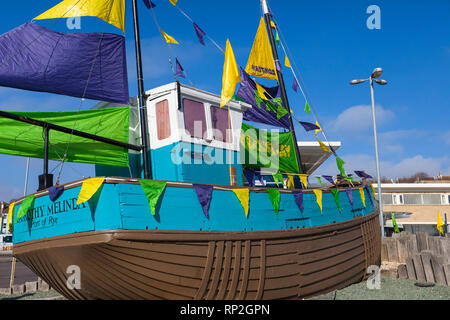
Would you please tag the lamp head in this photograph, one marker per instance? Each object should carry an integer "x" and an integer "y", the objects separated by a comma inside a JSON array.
[
  {"x": 381, "y": 82},
  {"x": 377, "y": 73},
  {"x": 353, "y": 82}
]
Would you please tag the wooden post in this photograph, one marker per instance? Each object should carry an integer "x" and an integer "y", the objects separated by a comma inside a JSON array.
[
  {"x": 426, "y": 261},
  {"x": 13, "y": 272},
  {"x": 418, "y": 268}
]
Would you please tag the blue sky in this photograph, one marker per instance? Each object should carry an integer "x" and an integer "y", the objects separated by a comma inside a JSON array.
[{"x": 330, "y": 44}]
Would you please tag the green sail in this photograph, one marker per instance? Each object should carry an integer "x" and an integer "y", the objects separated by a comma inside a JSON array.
[{"x": 23, "y": 139}]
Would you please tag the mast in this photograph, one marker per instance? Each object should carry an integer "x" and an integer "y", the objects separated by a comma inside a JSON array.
[
  {"x": 281, "y": 82},
  {"x": 142, "y": 101}
]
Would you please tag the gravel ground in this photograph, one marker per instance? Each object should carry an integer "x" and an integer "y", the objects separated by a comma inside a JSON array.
[
  {"x": 390, "y": 289},
  {"x": 48, "y": 295}
]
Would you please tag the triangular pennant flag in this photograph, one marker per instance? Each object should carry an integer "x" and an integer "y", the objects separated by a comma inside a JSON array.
[
  {"x": 204, "y": 195},
  {"x": 230, "y": 76},
  {"x": 149, "y": 4},
  {"x": 261, "y": 91},
  {"x": 290, "y": 182},
  {"x": 394, "y": 223},
  {"x": 317, "y": 130},
  {"x": 277, "y": 39},
  {"x": 318, "y": 194},
  {"x": 340, "y": 164},
  {"x": 362, "y": 174},
  {"x": 363, "y": 198},
  {"x": 307, "y": 108},
  {"x": 272, "y": 24},
  {"x": 366, "y": 187},
  {"x": 244, "y": 198},
  {"x": 298, "y": 197},
  {"x": 168, "y": 38},
  {"x": 26, "y": 205},
  {"x": 200, "y": 33},
  {"x": 274, "y": 196},
  {"x": 323, "y": 146},
  {"x": 295, "y": 85},
  {"x": 89, "y": 188},
  {"x": 308, "y": 126},
  {"x": 153, "y": 191},
  {"x": 287, "y": 63},
  {"x": 250, "y": 177},
  {"x": 320, "y": 181},
  {"x": 304, "y": 180},
  {"x": 111, "y": 11},
  {"x": 278, "y": 177},
  {"x": 373, "y": 192},
  {"x": 261, "y": 62},
  {"x": 329, "y": 179},
  {"x": 180, "y": 70},
  {"x": 55, "y": 192},
  {"x": 440, "y": 224},
  {"x": 335, "y": 193},
  {"x": 10, "y": 218},
  {"x": 174, "y": 2},
  {"x": 350, "y": 196}
]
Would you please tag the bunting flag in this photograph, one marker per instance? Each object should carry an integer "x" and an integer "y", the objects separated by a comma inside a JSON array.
[
  {"x": 153, "y": 191},
  {"x": 260, "y": 178},
  {"x": 318, "y": 194},
  {"x": 278, "y": 178},
  {"x": 320, "y": 181},
  {"x": 340, "y": 164},
  {"x": 440, "y": 224},
  {"x": 89, "y": 188},
  {"x": 335, "y": 193},
  {"x": 290, "y": 182},
  {"x": 230, "y": 76},
  {"x": 55, "y": 192},
  {"x": 307, "y": 108},
  {"x": 168, "y": 38},
  {"x": 250, "y": 177},
  {"x": 111, "y": 11},
  {"x": 298, "y": 197},
  {"x": 261, "y": 91},
  {"x": 26, "y": 205},
  {"x": 180, "y": 70},
  {"x": 323, "y": 146},
  {"x": 304, "y": 180},
  {"x": 272, "y": 24},
  {"x": 318, "y": 130},
  {"x": 200, "y": 34},
  {"x": 350, "y": 196},
  {"x": 277, "y": 40},
  {"x": 287, "y": 63},
  {"x": 362, "y": 174},
  {"x": 366, "y": 187},
  {"x": 244, "y": 198},
  {"x": 261, "y": 63},
  {"x": 373, "y": 192},
  {"x": 329, "y": 179},
  {"x": 149, "y": 4},
  {"x": 274, "y": 196},
  {"x": 38, "y": 59},
  {"x": 295, "y": 85},
  {"x": 174, "y": 2},
  {"x": 204, "y": 195},
  {"x": 10, "y": 218},
  {"x": 308, "y": 126},
  {"x": 394, "y": 223},
  {"x": 363, "y": 198}
]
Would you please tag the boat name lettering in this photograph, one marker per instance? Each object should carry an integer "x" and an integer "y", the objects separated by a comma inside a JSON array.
[{"x": 55, "y": 208}]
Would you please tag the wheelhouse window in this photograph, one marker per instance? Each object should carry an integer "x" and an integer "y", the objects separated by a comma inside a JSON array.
[
  {"x": 194, "y": 118},
  {"x": 220, "y": 124},
  {"x": 163, "y": 119}
]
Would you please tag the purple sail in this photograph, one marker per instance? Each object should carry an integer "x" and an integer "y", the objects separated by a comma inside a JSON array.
[{"x": 83, "y": 65}]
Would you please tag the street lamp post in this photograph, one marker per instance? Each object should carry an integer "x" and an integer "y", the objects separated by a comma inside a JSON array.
[{"x": 374, "y": 78}]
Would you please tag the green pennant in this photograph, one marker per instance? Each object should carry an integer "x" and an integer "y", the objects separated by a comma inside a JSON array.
[
  {"x": 320, "y": 181},
  {"x": 278, "y": 177},
  {"x": 27, "y": 203},
  {"x": 274, "y": 196},
  {"x": 153, "y": 191},
  {"x": 258, "y": 99},
  {"x": 340, "y": 164},
  {"x": 277, "y": 39},
  {"x": 335, "y": 193},
  {"x": 307, "y": 108},
  {"x": 281, "y": 111},
  {"x": 394, "y": 223}
]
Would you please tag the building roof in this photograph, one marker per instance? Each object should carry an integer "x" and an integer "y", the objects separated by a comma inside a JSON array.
[{"x": 312, "y": 154}]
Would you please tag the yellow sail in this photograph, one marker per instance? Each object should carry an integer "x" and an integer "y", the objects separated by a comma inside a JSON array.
[
  {"x": 112, "y": 11},
  {"x": 261, "y": 63}
]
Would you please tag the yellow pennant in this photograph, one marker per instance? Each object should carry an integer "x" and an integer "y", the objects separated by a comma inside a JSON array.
[
  {"x": 323, "y": 146},
  {"x": 244, "y": 198},
  {"x": 174, "y": 2},
  {"x": 261, "y": 63},
  {"x": 111, "y": 11},
  {"x": 363, "y": 197},
  {"x": 261, "y": 91},
  {"x": 304, "y": 180},
  {"x": 373, "y": 191},
  {"x": 168, "y": 38},
  {"x": 10, "y": 215},
  {"x": 318, "y": 194},
  {"x": 230, "y": 76},
  {"x": 440, "y": 224},
  {"x": 290, "y": 182},
  {"x": 287, "y": 63},
  {"x": 272, "y": 25},
  {"x": 89, "y": 188},
  {"x": 318, "y": 130}
]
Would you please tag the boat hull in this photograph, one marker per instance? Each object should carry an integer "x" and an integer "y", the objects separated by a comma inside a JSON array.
[{"x": 183, "y": 265}]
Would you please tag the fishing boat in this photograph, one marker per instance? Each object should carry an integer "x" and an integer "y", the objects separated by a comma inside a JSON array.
[{"x": 172, "y": 213}]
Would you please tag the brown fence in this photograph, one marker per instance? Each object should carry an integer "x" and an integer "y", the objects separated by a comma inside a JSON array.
[{"x": 418, "y": 256}]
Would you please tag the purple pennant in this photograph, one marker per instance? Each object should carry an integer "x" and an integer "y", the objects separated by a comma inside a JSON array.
[
  {"x": 55, "y": 192},
  {"x": 309, "y": 126},
  {"x": 362, "y": 174},
  {"x": 350, "y": 196},
  {"x": 180, "y": 70},
  {"x": 149, "y": 4},
  {"x": 295, "y": 85},
  {"x": 200, "y": 34},
  {"x": 366, "y": 187},
  {"x": 329, "y": 179},
  {"x": 298, "y": 196},
  {"x": 260, "y": 178},
  {"x": 204, "y": 194},
  {"x": 250, "y": 177}
]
